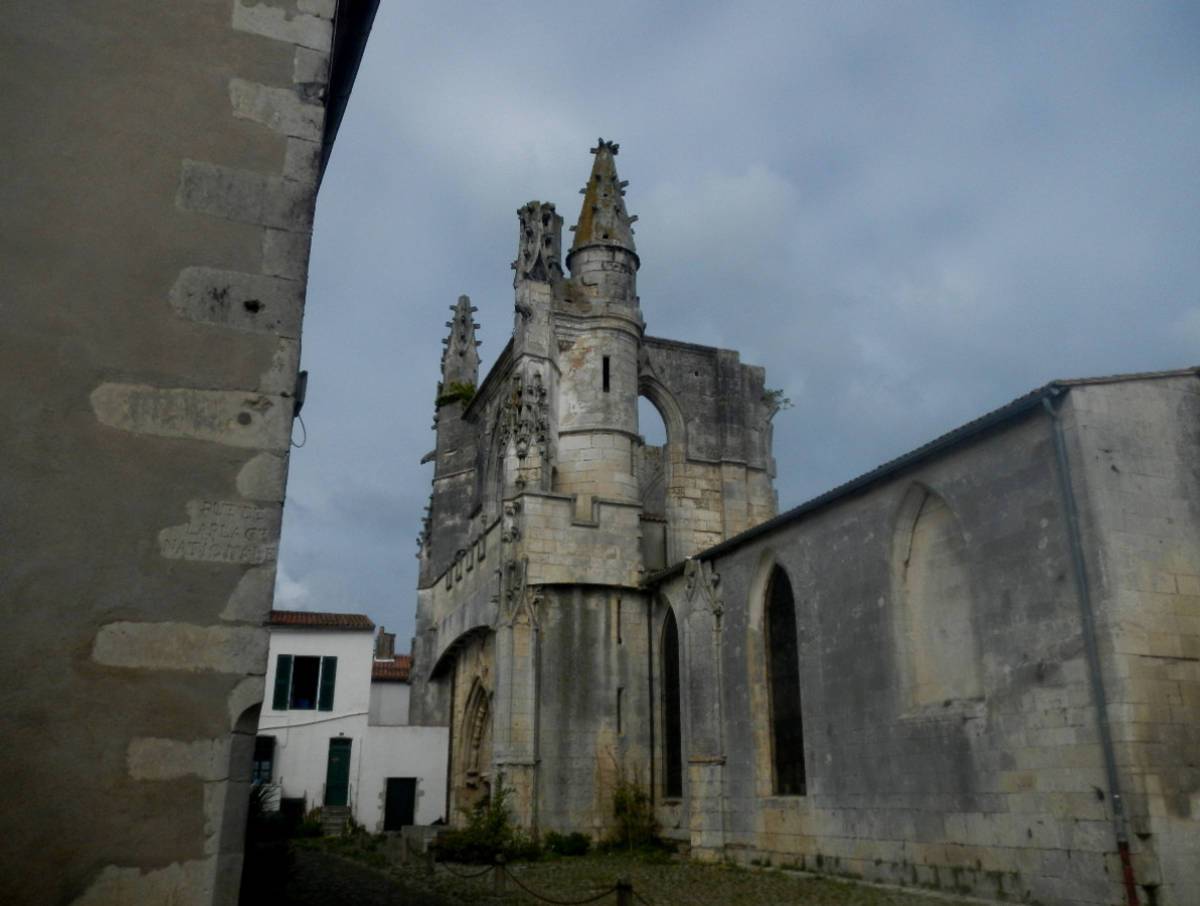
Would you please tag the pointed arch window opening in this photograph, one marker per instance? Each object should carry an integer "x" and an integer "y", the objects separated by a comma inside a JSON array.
[
  {"x": 937, "y": 606},
  {"x": 783, "y": 684},
  {"x": 653, "y": 479},
  {"x": 672, "y": 776}
]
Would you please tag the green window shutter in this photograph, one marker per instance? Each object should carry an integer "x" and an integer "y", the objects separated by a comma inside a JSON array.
[
  {"x": 283, "y": 682},
  {"x": 328, "y": 675}
]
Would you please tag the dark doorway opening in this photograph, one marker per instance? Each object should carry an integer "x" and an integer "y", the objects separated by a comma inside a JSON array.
[{"x": 400, "y": 803}]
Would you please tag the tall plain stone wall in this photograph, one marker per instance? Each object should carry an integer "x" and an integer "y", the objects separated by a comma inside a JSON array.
[
  {"x": 163, "y": 165},
  {"x": 982, "y": 775},
  {"x": 1137, "y": 445}
]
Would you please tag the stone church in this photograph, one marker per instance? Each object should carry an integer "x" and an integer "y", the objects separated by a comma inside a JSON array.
[{"x": 975, "y": 668}]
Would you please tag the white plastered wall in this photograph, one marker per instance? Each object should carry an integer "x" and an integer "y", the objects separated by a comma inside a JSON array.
[
  {"x": 302, "y": 736},
  {"x": 418, "y": 752}
]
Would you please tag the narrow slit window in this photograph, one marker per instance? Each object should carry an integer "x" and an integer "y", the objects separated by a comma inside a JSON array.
[
  {"x": 619, "y": 620},
  {"x": 604, "y": 367},
  {"x": 783, "y": 671},
  {"x": 672, "y": 716},
  {"x": 620, "y": 696}
]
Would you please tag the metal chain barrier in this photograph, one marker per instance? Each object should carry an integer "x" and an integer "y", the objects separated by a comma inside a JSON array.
[
  {"x": 545, "y": 899},
  {"x": 468, "y": 875}
]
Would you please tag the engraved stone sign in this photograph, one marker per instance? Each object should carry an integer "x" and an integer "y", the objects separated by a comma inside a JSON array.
[{"x": 223, "y": 531}]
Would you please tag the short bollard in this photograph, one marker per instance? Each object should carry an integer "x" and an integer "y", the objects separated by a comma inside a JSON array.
[
  {"x": 624, "y": 892},
  {"x": 498, "y": 875}
]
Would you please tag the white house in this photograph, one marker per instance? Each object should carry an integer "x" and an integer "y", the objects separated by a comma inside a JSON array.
[{"x": 333, "y": 730}]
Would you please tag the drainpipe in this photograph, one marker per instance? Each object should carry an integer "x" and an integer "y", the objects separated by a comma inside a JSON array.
[{"x": 1051, "y": 403}]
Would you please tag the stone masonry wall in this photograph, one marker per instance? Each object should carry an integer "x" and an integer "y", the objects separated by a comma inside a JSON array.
[
  {"x": 594, "y": 652},
  {"x": 1136, "y": 449},
  {"x": 155, "y": 249},
  {"x": 1002, "y": 796}
]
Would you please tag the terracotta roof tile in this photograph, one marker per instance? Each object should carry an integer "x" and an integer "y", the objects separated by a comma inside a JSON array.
[
  {"x": 311, "y": 619},
  {"x": 393, "y": 671}
]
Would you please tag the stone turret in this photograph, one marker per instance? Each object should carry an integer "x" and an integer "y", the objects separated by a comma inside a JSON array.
[
  {"x": 603, "y": 259},
  {"x": 599, "y": 383}
]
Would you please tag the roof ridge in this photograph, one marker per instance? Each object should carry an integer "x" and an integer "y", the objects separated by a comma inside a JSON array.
[
  {"x": 977, "y": 425},
  {"x": 319, "y": 619}
]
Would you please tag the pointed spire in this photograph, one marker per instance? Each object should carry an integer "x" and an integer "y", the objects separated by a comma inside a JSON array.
[
  {"x": 460, "y": 358},
  {"x": 603, "y": 219}
]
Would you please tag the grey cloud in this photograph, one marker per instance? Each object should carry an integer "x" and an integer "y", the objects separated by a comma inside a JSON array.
[{"x": 908, "y": 215}]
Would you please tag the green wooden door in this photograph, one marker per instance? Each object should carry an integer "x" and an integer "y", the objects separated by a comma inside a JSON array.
[{"x": 337, "y": 775}]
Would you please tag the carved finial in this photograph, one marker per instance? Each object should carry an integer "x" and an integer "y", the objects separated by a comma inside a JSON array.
[{"x": 539, "y": 248}]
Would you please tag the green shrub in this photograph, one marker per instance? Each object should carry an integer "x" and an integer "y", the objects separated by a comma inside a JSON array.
[
  {"x": 489, "y": 832},
  {"x": 635, "y": 826},
  {"x": 575, "y": 844}
]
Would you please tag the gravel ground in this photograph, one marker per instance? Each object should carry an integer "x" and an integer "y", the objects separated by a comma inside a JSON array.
[{"x": 319, "y": 877}]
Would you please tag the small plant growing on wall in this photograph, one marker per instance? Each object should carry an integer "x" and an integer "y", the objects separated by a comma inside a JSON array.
[
  {"x": 775, "y": 399},
  {"x": 455, "y": 392}
]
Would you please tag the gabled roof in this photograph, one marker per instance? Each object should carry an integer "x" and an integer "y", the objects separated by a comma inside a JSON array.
[
  {"x": 312, "y": 619},
  {"x": 393, "y": 670},
  {"x": 1017, "y": 408}
]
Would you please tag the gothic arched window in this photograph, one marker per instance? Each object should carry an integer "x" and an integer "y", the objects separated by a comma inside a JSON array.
[
  {"x": 783, "y": 681},
  {"x": 672, "y": 721},
  {"x": 939, "y": 632}
]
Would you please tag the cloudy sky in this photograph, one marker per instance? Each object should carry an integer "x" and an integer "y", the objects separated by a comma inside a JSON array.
[{"x": 909, "y": 213}]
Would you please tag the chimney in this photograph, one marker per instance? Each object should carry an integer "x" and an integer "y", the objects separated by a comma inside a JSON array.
[{"x": 385, "y": 645}]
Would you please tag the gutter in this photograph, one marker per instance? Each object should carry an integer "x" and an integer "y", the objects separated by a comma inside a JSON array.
[
  {"x": 352, "y": 22},
  {"x": 1051, "y": 402}
]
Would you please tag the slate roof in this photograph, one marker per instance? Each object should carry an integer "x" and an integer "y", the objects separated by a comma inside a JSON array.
[
  {"x": 312, "y": 619},
  {"x": 1018, "y": 407},
  {"x": 394, "y": 670}
]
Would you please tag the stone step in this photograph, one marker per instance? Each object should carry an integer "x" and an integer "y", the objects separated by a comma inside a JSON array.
[{"x": 333, "y": 819}]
